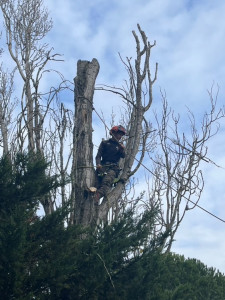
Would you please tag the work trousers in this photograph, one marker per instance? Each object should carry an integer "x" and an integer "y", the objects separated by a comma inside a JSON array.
[{"x": 106, "y": 181}]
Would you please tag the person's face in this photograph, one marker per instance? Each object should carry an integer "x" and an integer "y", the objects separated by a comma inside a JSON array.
[{"x": 117, "y": 135}]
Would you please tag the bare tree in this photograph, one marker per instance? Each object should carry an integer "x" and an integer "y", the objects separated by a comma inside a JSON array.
[
  {"x": 138, "y": 131},
  {"x": 138, "y": 97},
  {"x": 178, "y": 181},
  {"x": 174, "y": 170},
  {"x": 26, "y": 24},
  {"x": 6, "y": 107}
]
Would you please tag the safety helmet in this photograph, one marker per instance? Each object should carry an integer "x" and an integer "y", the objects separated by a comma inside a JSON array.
[{"x": 118, "y": 128}]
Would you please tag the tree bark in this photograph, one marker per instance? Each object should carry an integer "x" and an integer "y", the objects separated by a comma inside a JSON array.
[{"x": 83, "y": 174}]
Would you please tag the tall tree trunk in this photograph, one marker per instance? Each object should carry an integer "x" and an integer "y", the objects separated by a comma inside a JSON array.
[{"x": 83, "y": 175}]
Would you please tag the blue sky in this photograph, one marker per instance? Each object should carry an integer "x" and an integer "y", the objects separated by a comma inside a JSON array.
[{"x": 190, "y": 50}]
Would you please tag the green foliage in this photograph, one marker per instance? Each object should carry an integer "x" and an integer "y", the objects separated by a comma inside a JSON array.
[
  {"x": 173, "y": 277},
  {"x": 75, "y": 263},
  {"x": 22, "y": 184},
  {"x": 44, "y": 259}
]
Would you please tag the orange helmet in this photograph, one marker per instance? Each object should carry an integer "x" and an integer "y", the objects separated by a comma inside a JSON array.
[{"x": 118, "y": 128}]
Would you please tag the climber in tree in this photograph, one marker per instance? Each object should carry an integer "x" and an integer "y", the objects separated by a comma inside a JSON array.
[{"x": 107, "y": 161}]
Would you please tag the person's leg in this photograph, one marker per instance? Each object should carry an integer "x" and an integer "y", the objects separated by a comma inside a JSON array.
[{"x": 106, "y": 183}]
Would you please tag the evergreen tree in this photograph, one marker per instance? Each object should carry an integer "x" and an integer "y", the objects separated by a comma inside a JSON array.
[
  {"x": 41, "y": 258},
  {"x": 22, "y": 184}
]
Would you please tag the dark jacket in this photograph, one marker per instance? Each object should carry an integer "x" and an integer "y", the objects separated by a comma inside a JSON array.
[{"x": 109, "y": 151}]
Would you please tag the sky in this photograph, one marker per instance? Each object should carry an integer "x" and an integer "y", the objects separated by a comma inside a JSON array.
[{"x": 190, "y": 51}]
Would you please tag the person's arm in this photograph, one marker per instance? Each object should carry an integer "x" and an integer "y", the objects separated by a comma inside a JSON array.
[
  {"x": 99, "y": 155},
  {"x": 122, "y": 151}
]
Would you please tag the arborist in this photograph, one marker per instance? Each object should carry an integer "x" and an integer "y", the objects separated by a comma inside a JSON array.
[{"x": 107, "y": 161}]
